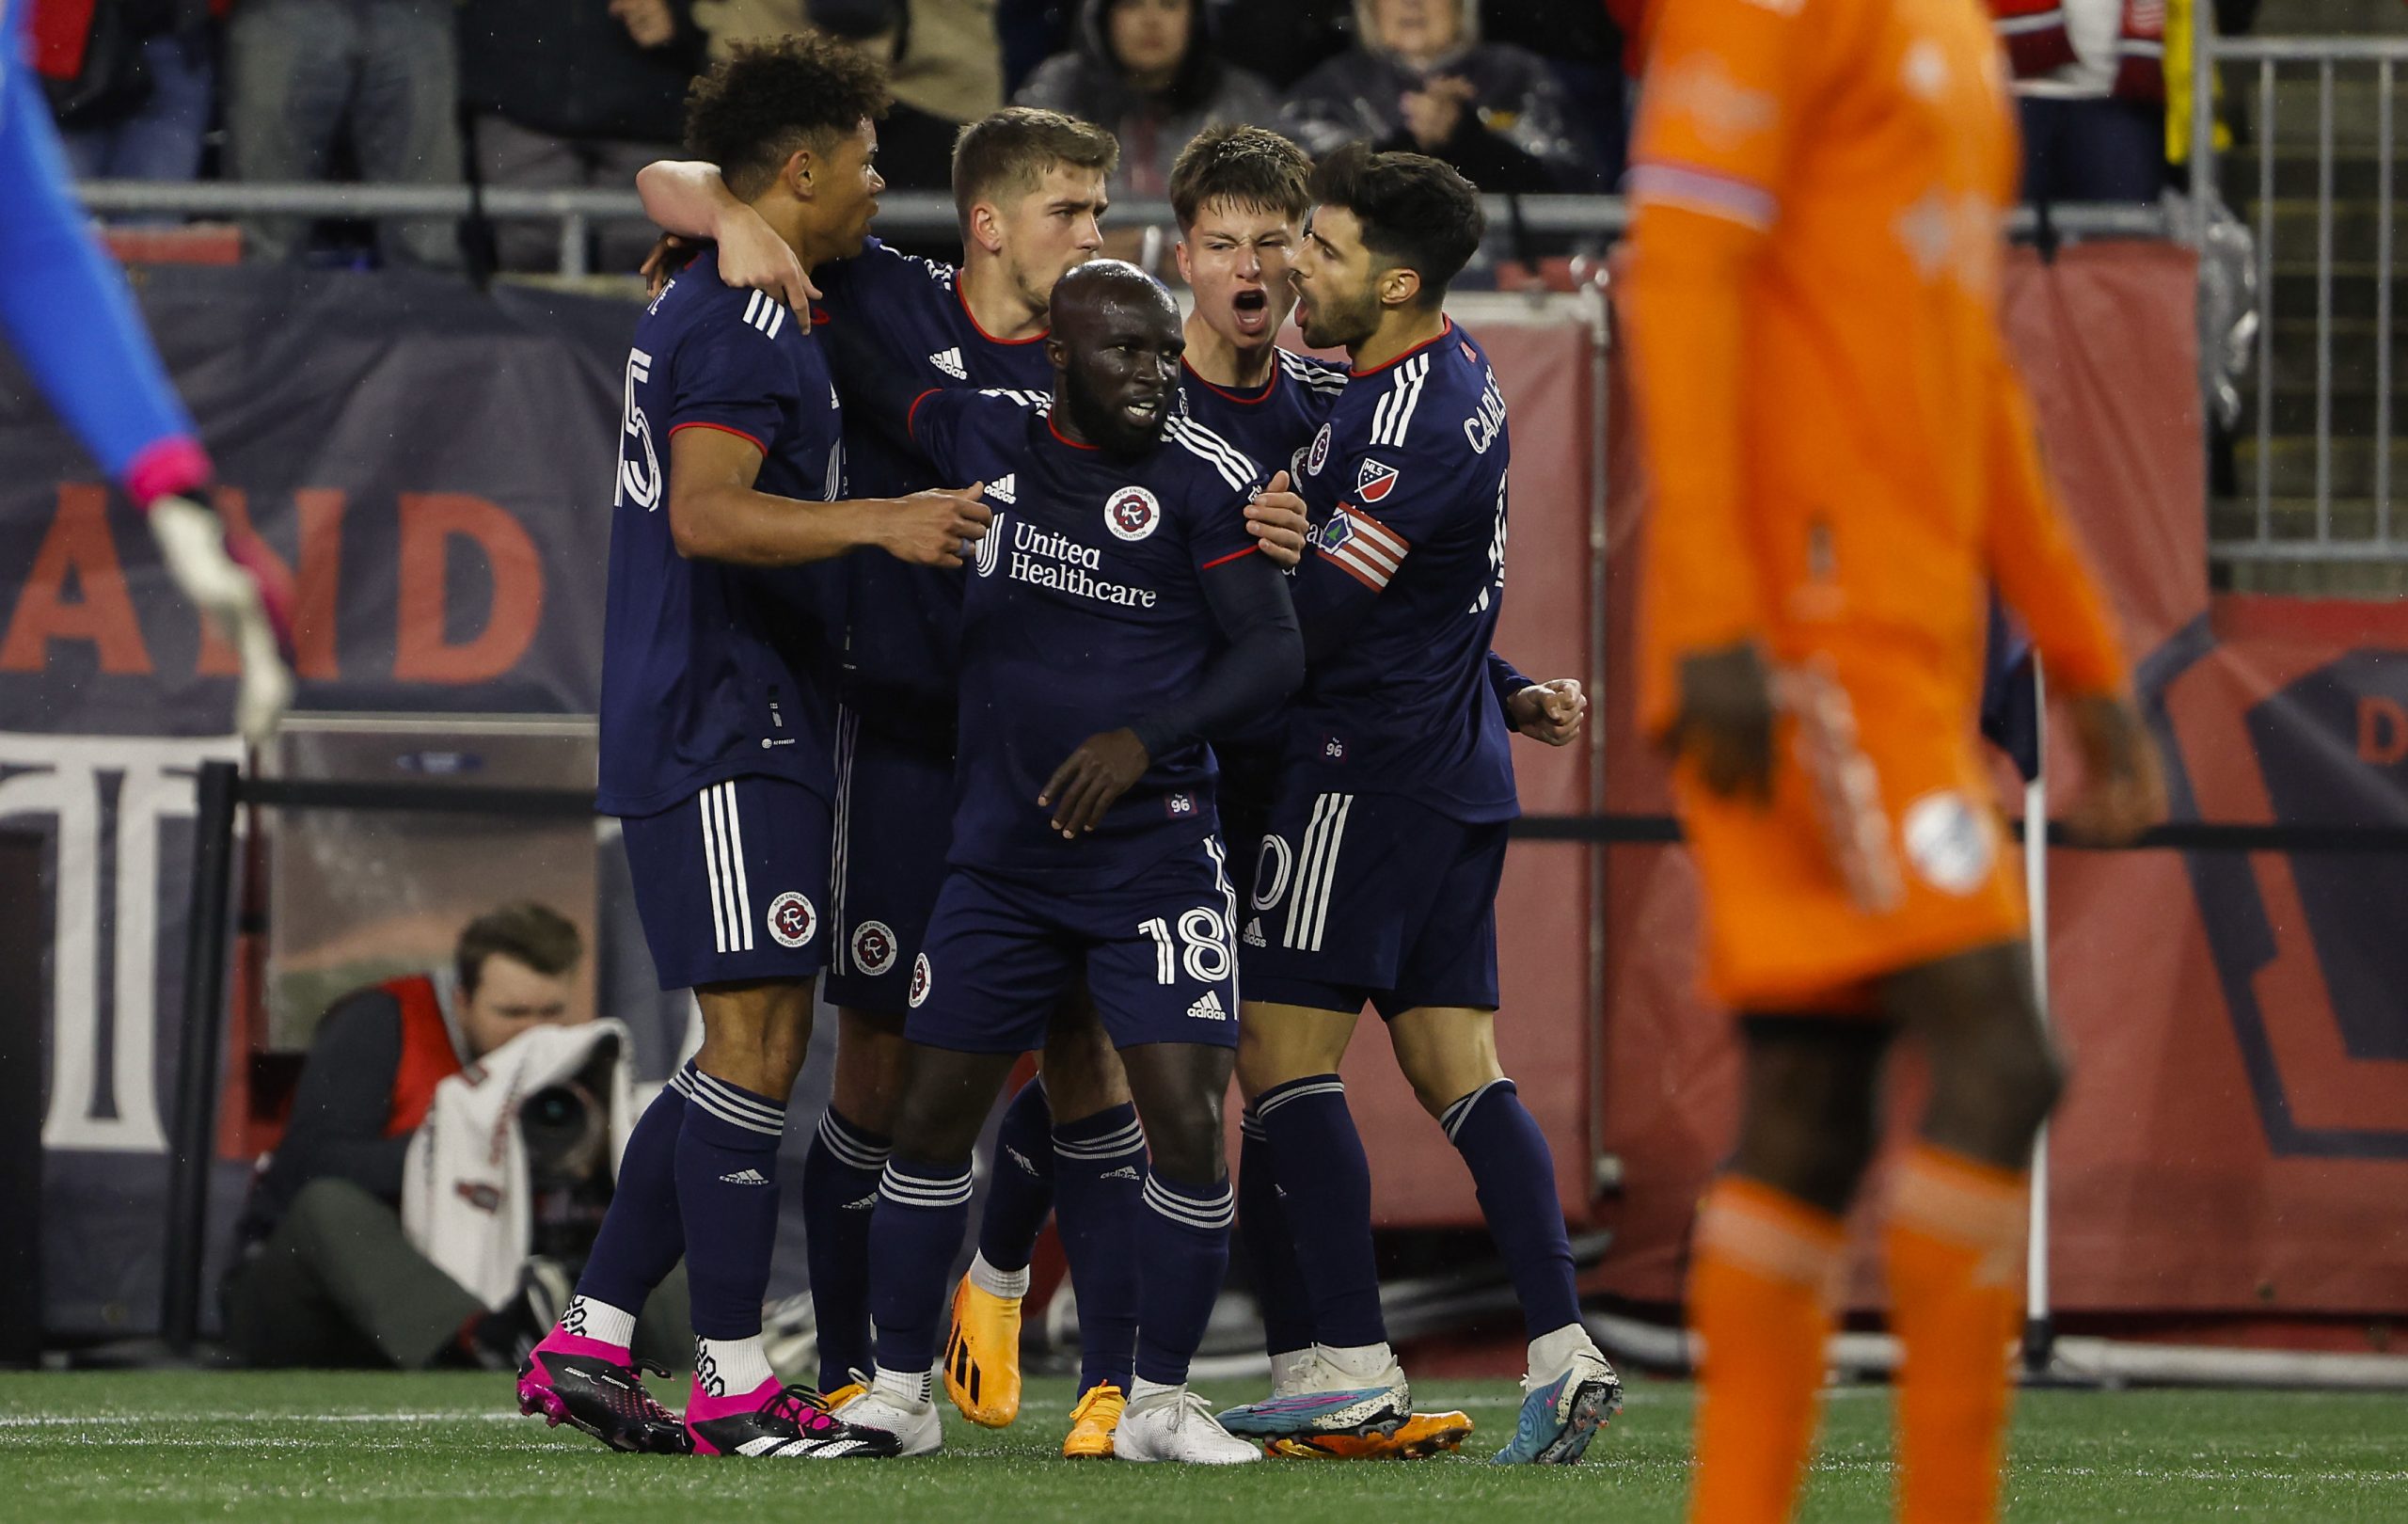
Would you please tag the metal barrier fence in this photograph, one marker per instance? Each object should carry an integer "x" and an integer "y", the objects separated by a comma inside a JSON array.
[
  {"x": 2313, "y": 455},
  {"x": 922, "y": 215}
]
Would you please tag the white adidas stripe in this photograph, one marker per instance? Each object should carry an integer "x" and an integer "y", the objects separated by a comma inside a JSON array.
[
  {"x": 1207, "y": 446},
  {"x": 1309, "y": 913},
  {"x": 1125, "y": 1140},
  {"x": 1269, "y": 1103},
  {"x": 1393, "y": 413},
  {"x": 1329, "y": 869},
  {"x": 1218, "y": 1213},
  {"x": 1308, "y": 864},
  {"x": 711, "y": 872},
  {"x": 736, "y": 855}
]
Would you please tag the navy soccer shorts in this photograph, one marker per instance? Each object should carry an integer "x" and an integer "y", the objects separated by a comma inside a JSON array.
[
  {"x": 1156, "y": 953},
  {"x": 1372, "y": 898},
  {"x": 894, "y": 826},
  {"x": 732, "y": 884}
]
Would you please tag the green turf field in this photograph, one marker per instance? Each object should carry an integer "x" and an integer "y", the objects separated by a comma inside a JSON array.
[{"x": 176, "y": 1446}]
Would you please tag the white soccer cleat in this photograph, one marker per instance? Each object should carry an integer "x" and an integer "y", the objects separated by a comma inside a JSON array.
[
  {"x": 916, "y": 1426},
  {"x": 1178, "y": 1425}
]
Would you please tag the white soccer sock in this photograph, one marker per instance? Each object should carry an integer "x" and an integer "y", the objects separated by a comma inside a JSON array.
[
  {"x": 598, "y": 1321},
  {"x": 1289, "y": 1366},
  {"x": 1359, "y": 1362},
  {"x": 1552, "y": 1352},
  {"x": 1140, "y": 1388},
  {"x": 732, "y": 1367},
  {"x": 1009, "y": 1284},
  {"x": 903, "y": 1387}
]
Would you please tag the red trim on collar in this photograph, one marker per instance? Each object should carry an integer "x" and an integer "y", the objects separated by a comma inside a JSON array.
[
  {"x": 1443, "y": 333},
  {"x": 963, "y": 297},
  {"x": 1253, "y": 400},
  {"x": 1050, "y": 428}
]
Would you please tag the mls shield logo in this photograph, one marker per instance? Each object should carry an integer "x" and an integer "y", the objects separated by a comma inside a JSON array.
[
  {"x": 1133, "y": 513},
  {"x": 874, "y": 947},
  {"x": 1375, "y": 479},
  {"x": 792, "y": 920},
  {"x": 921, "y": 981},
  {"x": 1319, "y": 455}
]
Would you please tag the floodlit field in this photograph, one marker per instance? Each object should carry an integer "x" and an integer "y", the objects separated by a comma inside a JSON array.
[{"x": 176, "y": 1446}]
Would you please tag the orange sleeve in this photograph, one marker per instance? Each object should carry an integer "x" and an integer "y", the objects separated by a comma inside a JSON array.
[
  {"x": 2036, "y": 559},
  {"x": 1717, "y": 120}
]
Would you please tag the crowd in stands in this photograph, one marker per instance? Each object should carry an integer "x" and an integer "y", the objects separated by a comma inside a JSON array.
[{"x": 1528, "y": 96}]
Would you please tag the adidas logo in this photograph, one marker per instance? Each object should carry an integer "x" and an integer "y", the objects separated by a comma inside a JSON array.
[
  {"x": 1003, "y": 488},
  {"x": 1253, "y": 937},
  {"x": 866, "y": 1203},
  {"x": 1209, "y": 1009},
  {"x": 1124, "y": 1172},
  {"x": 1021, "y": 1159},
  {"x": 746, "y": 1177},
  {"x": 949, "y": 362}
]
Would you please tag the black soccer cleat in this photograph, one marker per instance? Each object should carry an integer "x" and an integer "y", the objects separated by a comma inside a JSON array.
[
  {"x": 603, "y": 1398},
  {"x": 794, "y": 1424}
]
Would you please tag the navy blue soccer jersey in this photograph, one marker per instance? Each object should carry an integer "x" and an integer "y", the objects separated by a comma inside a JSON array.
[
  {"x": 1084, "y": 612},
  {"x": 711, "y": 671},
  {"x": 895, "y": 326},
  {"x": 1406, "y": 486},
  {"x": 1273, "y": 423}
]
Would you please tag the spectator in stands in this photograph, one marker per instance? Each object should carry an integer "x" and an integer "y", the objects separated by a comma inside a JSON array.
[
  {"x": 327, "y": 1277},
  {"x": 131, "y": 84},
  {"x": 575, "y": 93},
  {"x": 940, "y": 57},
  {"x": 1283, "y": 40},
  {"x": 2090, "y": 85},
  {"x": 1421, "y": 79},
  {"x": 302, "y": 75},
  {"x": 1146, "y": 69}
]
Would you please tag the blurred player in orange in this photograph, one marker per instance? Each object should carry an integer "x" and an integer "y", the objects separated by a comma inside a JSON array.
[{"x": 1842, "y": 459}]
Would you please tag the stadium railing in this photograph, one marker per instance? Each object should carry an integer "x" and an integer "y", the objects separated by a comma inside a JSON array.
[{"x": 2318, "y": 485}]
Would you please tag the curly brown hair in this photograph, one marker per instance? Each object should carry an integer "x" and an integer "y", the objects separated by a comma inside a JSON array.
[{"x": 751, "y": 112}]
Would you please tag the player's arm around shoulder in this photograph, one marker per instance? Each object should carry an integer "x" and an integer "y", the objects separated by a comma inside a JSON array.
[{"x": 717, "y": 512}]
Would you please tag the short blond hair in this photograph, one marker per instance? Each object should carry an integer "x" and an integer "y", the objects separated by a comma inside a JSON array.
[{"x": 1008, "y": 152}]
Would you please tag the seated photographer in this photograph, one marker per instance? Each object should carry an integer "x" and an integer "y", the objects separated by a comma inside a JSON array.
[{"x": 326, "y": 1275}]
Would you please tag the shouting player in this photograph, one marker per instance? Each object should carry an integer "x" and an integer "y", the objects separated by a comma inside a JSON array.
[
  {"x": 1377, "y": 881},
  {"x": 1841, "y": 457},
  {"x": 1028, "y": 188},
  {"x": 715, "y": 740},
  {"x": 1118, "y": 616}
]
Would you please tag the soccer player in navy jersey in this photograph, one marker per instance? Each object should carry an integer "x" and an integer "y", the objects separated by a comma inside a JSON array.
[
  {"x": 1118, "y": 615},
  {"x": 1028, "y": 188},
  {"x": 716, "y": 740},
  {"x": 72, "y": 323},
  {"x": 1377, "y": 881},
  {"x": 1241, "y": 193}
]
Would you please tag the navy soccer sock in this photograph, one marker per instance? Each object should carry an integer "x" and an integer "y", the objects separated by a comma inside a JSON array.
[
  {"x": 1515, "y": 1172},
  {"x": 1184, "y": 1243},
  {"x": 642, "y": 1238},
  {"x": 922, "y": 1210},
  {"x": 1020, "y": 1192},
  {"x": 840, "y": 1178},
  {"x": 1099, "y": 1176},
  {"x": 1270, "y": 1250},
  {"x": 1318, "y": 1159},
  {"x": 727, "y": 1197}
]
